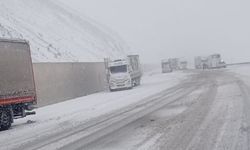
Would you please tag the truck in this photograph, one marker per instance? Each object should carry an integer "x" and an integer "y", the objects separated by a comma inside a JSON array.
[
  {"x": 215, "y": 61},
  {"x": 174, "y": 63},
  {"x": 183, "y": 65},
  {"x": 166, "y": 67},
  {"x": 209, "y": 62},
  {"x": 124, "y": 73},
  {"x": 17, "y": 85},
  {"x": 201, "y": 62}
]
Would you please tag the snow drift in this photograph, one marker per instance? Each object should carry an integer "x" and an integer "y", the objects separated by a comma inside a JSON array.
[{"x": 58, "y": 33}]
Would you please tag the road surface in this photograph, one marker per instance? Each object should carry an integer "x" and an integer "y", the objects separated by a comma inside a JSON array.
[
  {"x": 208, "y": 110},
  {"x": 214, "y": 116}
]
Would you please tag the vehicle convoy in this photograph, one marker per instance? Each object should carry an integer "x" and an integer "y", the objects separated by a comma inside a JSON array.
[
  {"x": 211, "y": 62},
  {"x": 124, "y": 73},
  {"x": 166, "y": 67},
  {"x": 17, "y": 85}
]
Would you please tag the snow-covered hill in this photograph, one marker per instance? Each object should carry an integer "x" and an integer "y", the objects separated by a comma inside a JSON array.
[{"x": 58, "y": 33}]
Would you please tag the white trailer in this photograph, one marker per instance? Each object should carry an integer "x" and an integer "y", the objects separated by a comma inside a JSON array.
[
  {"x": 201, "y": 62},
  {"x": 124, "y": 73},
  {"x": 166, "y": 67}
]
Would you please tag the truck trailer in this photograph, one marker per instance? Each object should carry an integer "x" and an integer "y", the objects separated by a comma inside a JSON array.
[
  {"x": 17, "y": 85},
  {"x": 124, "y": 73},
  {"x": 174, "y": 63},
  {"x": 201, "y": 62},
  {"x": 166, "y": 67}
]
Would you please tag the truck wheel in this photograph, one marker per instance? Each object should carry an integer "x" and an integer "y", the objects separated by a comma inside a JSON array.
[{"x": 5, "y": 120}]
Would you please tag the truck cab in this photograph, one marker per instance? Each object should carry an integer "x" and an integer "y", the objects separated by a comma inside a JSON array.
[
  {"x": 119, "y": 75},
  {"x": 214, "y": 61}
]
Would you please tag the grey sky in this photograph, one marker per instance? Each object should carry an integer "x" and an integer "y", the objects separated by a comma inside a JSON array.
[{"x": 159, "y": 29}]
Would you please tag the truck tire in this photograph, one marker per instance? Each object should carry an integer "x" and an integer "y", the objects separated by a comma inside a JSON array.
[{"x": 5, "y": 119}]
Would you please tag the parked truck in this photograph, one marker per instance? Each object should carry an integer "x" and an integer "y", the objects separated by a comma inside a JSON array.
[
  {"x": 183, "y": 65},
  {"x": 201, "y": 62},
  {"x": 209, "y": 62},
  {"x": 174, "y": 63},
  {"x": 166, "y": 67},
  {"x": 215, "y": 61},
  {"x": 124, "y": 73},
  {"x": 17, "y": 86}
]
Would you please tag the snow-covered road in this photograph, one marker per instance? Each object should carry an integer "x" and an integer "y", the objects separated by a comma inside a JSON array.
[
  {"x": 214, "y": 116},
  {"x": 183, "y": 110},
  {"x": 61, "y": 118}
]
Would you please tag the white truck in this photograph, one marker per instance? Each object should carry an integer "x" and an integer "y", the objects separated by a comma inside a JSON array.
[
  {"x": 210, "y": 62},
  {"x": 215, "y": 61},
  {"x": 174, "y": 63},
  {"x": 166, "y": 67},
  {"x": 124, "y": 73},
  {"x": 183, "y": 65},
  {"x": 201, "y": 62}
]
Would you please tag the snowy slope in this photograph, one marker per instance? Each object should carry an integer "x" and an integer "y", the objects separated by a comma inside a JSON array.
[{"x": 58, "y": 33}]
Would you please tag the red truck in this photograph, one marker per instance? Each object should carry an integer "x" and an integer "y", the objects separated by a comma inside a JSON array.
[{"x": 17, "y": 84}]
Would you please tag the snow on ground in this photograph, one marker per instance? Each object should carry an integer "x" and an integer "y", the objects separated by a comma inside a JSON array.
[
  {"x": 78, "y": 111},
  {"x": 58, "y": 33},
  {"x": 242, "y": 71},
  {"x": 216, "y": 116}
]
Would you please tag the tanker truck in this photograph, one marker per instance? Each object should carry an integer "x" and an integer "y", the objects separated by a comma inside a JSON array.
[{"x": 17, "y": 86}]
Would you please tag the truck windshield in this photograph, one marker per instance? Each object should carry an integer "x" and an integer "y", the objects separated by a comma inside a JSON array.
[{"x": 118, "y": 69}]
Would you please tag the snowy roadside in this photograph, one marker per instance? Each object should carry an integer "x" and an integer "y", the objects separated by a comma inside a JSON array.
[
  {"x": 69, "y": 114},
  {"x": 242, "y": 72}
]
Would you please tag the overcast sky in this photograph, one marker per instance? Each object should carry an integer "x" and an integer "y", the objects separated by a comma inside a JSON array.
[{"x": 158, "y": 29}]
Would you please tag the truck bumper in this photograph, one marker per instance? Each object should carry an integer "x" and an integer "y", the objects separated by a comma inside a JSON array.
[{"x": 114, "y": 86}]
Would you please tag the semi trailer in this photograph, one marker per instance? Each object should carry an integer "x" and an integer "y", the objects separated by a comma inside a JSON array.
[
  {"x": 17, "y": 86},
  {"x": 166, "y": 66},
  {"x": 174, "y": 63},
  {"x": 201, "y": 62}
]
